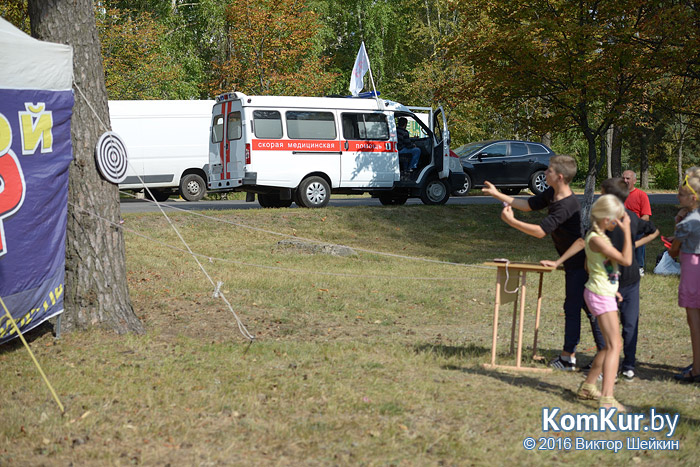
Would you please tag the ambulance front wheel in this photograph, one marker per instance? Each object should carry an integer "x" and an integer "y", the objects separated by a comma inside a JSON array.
[
  {"x": 192, "y": 187},
  {"x": 434, "y": 192},
  {"x": 313, "y": 192}
]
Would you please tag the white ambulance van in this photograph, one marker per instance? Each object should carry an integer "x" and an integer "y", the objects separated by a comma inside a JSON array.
[
  {"x": 167, "y": 145},
  {"x": 301, "y": 149}
]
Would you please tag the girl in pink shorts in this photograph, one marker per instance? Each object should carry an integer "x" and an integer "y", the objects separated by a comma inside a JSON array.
[
  {"x": 686, "y": 243},
  {"x": 602, "y": 260}
]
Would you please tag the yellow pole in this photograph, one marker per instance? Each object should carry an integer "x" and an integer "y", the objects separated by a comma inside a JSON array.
[{"x": 9, "y": 316}]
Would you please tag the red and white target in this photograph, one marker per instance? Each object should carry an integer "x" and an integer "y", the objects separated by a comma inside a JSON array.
[{"x": 111, "y": 157}]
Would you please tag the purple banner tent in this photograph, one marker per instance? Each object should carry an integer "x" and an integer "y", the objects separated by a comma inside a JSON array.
[{"x": 36, "y": 102}]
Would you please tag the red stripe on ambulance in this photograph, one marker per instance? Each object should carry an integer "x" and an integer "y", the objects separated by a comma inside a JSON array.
[
  {"x": 296, "y": 145},
  {"x": 321, "y": 145},
  {"x": 370, "y": 146}
]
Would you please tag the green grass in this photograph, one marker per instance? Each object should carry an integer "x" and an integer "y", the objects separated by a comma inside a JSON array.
[{"x": 371, "y": 359}]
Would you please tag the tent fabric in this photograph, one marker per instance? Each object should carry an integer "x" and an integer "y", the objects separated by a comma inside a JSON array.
[
  {"x": 28, "y": 63},
  {"x": 36, "y": 105}
]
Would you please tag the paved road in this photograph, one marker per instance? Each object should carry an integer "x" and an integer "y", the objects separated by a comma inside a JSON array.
[{"x": 137, "y": 205}]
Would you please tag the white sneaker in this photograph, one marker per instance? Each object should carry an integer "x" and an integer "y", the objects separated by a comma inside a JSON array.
[
  {"x": 627, "y": 375},
  {"x": 641, "y": 272}
]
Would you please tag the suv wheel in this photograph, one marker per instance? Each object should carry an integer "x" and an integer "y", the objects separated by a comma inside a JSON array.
[
  {"x": 464, "y": 191},
  {"x": 538, "y": 182}
]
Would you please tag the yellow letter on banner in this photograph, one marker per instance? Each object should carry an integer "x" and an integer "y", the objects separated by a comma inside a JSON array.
[
  {"x": 5, "y": 135},
  {"x": 37, "y": 125}
]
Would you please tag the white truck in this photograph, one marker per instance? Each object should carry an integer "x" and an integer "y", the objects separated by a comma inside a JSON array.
[
  {"x": 167, "y": 143},
  {"x": 301, "y": 149}
]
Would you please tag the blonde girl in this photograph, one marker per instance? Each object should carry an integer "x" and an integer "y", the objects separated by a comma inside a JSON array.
[
  {"x": 602, "y": 260},
  {"x": 687, "y": 243}
]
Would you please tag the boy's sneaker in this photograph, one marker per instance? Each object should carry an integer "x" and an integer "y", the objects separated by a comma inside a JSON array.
[
  {"x": 684, "y": 372},
  {"x": 627, "y": 375},
  {"x": 560, "y": 364},
  {"x": 587, "y": 368}
]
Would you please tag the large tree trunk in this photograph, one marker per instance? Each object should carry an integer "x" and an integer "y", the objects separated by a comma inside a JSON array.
[{"x": 96, "y": 292}]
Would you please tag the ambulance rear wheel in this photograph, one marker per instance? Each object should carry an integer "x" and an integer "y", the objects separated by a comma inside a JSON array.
[
  {"x": 313, "y": 192},
  {"x": 192, "y": 187}
]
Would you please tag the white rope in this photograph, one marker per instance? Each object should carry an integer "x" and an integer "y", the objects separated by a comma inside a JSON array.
[
  {"x": 279, "y": 268},
  {"x": 311, "y": 240},
  {"x": 241, "y": 326},
  {"x": 505, "y": 284}
]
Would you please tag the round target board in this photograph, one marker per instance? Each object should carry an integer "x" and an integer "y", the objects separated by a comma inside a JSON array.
[{"x": 111, "y": 157}]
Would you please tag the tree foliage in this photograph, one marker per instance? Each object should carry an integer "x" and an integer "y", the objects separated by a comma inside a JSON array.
[
  {"x": 502, "y": 69},
  {"x": 580, "y": 64},
  {"x": 136, "y": 63},
  {"x": 271, "y": 50}
]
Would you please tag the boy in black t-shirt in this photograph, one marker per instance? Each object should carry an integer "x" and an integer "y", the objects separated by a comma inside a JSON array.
[
  {"x": 563, "y": 223},
  {"x": 645, "y": 232}
]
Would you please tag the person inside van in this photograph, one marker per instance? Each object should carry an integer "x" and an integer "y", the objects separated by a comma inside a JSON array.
[{"x": 406, "y": 147}]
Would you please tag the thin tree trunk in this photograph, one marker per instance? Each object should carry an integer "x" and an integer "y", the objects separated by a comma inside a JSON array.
[
  {"x": 616, "y": 152},
  {"x": 96, "y": 292},
  {"x": 608, "y": 145},
  {"x": 680, "y": 159},
  {"x": 547, "y": 139},
  {"x": 644, "y": 162},
  {"x": 589, "y": 190}
]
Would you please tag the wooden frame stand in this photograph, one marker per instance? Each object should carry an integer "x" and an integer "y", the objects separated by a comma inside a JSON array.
[{"x": 518, "y": 270}]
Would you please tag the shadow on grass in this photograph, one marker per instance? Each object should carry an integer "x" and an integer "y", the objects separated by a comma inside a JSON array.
[
  {"x": 16, "y": 344},
  {"x": 657, "y": 372},
  {"x": 452, "y": 351}
]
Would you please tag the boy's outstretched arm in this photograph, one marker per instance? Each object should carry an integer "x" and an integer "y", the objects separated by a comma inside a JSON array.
[
  {"x": 530, "y": 229},
  {"x": 517, "y": 203}
]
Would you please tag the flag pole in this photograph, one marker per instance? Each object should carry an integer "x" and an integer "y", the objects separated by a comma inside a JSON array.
[{"x": 369, "y": 68}]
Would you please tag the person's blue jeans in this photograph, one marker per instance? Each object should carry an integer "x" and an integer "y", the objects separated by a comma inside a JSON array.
[
  {"x": 575, "y": 279},
  {"x": 629, "y": 317},
  {"x": 415, "y": 156},
  {"x": 640, "y": 255}
]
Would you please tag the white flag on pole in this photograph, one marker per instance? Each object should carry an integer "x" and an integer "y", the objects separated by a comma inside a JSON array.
[{"x": 359, "y": 70}]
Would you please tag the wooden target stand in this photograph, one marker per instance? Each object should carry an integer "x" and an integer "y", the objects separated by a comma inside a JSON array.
[{"x": 507, "y": 275}]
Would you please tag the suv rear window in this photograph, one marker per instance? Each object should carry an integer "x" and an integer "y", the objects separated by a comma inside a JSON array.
[
  {"x": 518, "y": 149},
  {"x": 537, "y": 149}
]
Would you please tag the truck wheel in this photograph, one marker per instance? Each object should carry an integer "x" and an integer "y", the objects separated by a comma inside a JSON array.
[
  {"x": 392, "y": 200},
  {"x": 538, "y": 182},
  {"x": 156, "y": 194},
  {"x": 434, "y": 192},
  {"x": 313, "y": 192},
  {"x": 192, "y": 187}
]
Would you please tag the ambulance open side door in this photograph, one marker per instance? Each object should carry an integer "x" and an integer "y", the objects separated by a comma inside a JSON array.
[{"x": 441, "y": 144}]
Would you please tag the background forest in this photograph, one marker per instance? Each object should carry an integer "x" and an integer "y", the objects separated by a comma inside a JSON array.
[{"x": 616, "y": 83}]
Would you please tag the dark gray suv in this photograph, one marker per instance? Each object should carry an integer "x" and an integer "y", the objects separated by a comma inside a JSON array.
[{"x": 510, "y": 165}]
